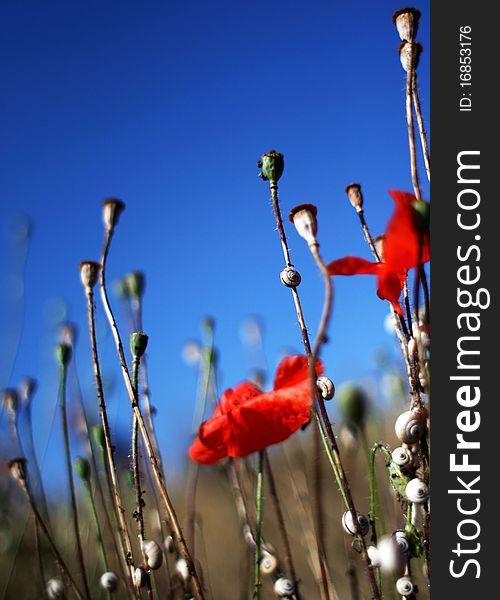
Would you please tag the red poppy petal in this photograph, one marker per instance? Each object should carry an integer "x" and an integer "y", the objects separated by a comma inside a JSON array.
[
  {"x": 389, "y": 284},
  {"x": 202, "y": 454},
  {"x": 352, "y": 265},
  {"x": 293, "y": 370},
  {"x": 268, "y": 419},
  {"x": 214, "y": 434},
  {"x": 236, "y": 396}
]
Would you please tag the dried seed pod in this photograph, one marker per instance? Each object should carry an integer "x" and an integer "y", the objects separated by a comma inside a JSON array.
[
  {"x": 409, "y": 55},
  {"x": 140, "y": 577},
  {"x": 283, "y": 587},
  {"x": 405, "y": 586},
  {"x": 392, "y": 560},
  {"x": 362, "y": 526},
  {"x": 373, "y": 555},
  {"x": 272, "y": 165},
  {"x": 55, "y": 589},
  {"x": 403, "y": 457},
  {"x": 109, "y": 581},
  {"x": 303, "y": 217},
  {"x": 355, "y": 195},
  {"x": 112, "y": 209},
  {"x": 181, "y": 567},
  {"x": 417, "y": 491},
  {"x": 406, "y": 21},
  {"x": 268, "y": 563},
  {"x": 290, "y": 277},
  {"x": 154, "y": 554},
  {"x": 89, "y": 273},
  {"x": 27, "y": 390},
  {"x": 410, "y": 426},
  {"x": 379, "y": 245},
  {"x": 402, "y": 541},
  {"x": 325, "y": 387}
]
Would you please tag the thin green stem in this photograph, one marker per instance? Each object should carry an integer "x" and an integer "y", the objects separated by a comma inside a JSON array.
[
  {"x": 98, "y": 531},
  {"x": 258, "y": 526}
]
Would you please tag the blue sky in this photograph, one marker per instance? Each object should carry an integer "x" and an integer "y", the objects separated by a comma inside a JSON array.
[{"x": 168, "y": 106}]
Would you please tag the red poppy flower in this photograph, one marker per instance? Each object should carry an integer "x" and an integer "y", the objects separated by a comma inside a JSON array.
[
  {"x": 247, "y": 420},
  {"x": 404, "y": 248}
]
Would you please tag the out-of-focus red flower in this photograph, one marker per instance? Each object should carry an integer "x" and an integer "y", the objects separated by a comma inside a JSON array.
[
  {"x": 247, "y": 420},
  {"x": 404, "y": 247}
]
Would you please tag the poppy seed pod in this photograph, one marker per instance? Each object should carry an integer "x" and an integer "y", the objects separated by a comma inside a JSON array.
[
  {"x": 406, "y": 21},
  {"x": 89, "y": 273},
  {"x": 402, "y": 457},
  {"x": 355, "y": 195},
  {"x": 272, "y": 165},
  {"x": 140, "y": 577},
  {"x": 268, "y": 563},
  {"x": 410, "y": 426},
  {"x": 55, "y": 589},
  {"x": 303, "y": 217},
  {"x": 138, "y": 343},
  {"x": 112, "y": 209},
  {"x": 362, "y": 526},
  {"x": 373, "y": 555},
  {"x": 135, "y": 283},
  {"x": 109, "y": 581},
  {"x": 352, "y": 403},
  {"x": 182, "y": 568},
  {"x": 290, "y": 277},
  {"x": 17, "y": 468},
  {"x": 404, "y": 586},
  {"x": 409, "y": 55},
  {"x": 10, "y": 401},
  {"x": 82, "y": 468},
  {"x": 283, "y": 587},
  {"x": 325, "y": 387},
  {"x": 417, "y": 491},
  {"x": 154, "y": 554},
  {"x": 63, "y": 354}
]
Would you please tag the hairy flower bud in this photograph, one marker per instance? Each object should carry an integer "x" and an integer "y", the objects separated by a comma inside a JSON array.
[
  {"x": 82, "y": 468},
  {"x": 303, "y": 217},
  {"x": 138, "y": 344},
  {"x": 112, "y": 209},
  {"x": 272, "y": 165},
  {"x": 89, "y": 273},
  {"x": 406, "y": 21},
  {"x": 355, "y": 195}
]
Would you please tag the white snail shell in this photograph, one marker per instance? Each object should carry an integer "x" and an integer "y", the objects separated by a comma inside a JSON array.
[
  {"x": 391, "y": 559},
  {"x": 268, "y": 564},
  {"x": 402, "y": 541},
  {"x": 404, "y": 586},
  {"x": 109, "y": 581},
  {"x": 373, "y": 555},
  {"x": 290, "y": 277},
  {"x": 181, "y": 567},
  {"x": 283, "y": 587},
  {"x": 169, "y": 544},
  {"x": 410, "y": 427},
  {"x": 325, "y": 387},
  {"x": 402, "y": 457},
  {"x": 153, "y": 553},
  {"x": 413, "y": 348},
  {"x": 140, "y": 577},
  {"x": 417, "y": 491},
  {"x": 55, "y": 589},
  {"x": 352, "y": 528}
]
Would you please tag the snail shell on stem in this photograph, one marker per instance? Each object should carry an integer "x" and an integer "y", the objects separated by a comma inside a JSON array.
[
  {"x": 402, "y": 457},
  {"x": 153, "y": 553},
  {"x": 404, "y": 586},
  {"x": 410, "y": 427},
  {"x": 283, "y": 587},
  {"x": 109, "y": 581},
  {"x": 55, "y": 589},
  {"x": 268, "y": 564},
  {"x": 352, "y": 528},
  {"x": 417, "y": 491},
  {"x": 140, "y": 577},
  {"x": 326, "y": 387},
  {"x": 290, "y": 277}
]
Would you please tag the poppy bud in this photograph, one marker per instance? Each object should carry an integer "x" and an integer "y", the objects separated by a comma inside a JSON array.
[
  {"x": 306, "y": 224},
  {"x": 138, "y": 344},
  {"x": 11, "y": 401},
  {"x": 63, "y": 354},
  {"x": 135, "y": 284},
  {"x": 355, "y": 195},
  {"x": 89, "y": 273},
  {"x": 290, "y": 277},
  {"x": 82, "y": 468},
  {"x": 406, "y": 21},
  {"x": 409, "y": 55},
  {"x": 27, "y": 390},
  {"x": 55, "y": 589},
  {"x": 352, "y": 403},
  {"x": 272, "y": 165},
  {"x": 112, "y": 209},
  {"x": 109, "y": 581},
  {"x": 17, "y": 468},
  {"x": 99, "y": 438}
]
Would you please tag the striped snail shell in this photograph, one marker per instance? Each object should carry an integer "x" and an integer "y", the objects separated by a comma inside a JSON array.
[
  {"x": 410, "y": 427},
  {"x": 154, "y": 555},
  {"x": 417, "y": 491},
  {"x": 268, "y": 564},
  {"x": 374, "y": 556},
  {"x": 140, "y": 577},
  {"x": 55, "y": 589},
  {"x": 403, "y": 457},
  {"x": 352, "y": 528},
  {"x": 109, "y": 581},
  {"x": 283, "y": 587},
  {"x": 404, "y": 586},
  {"x": 290, "y": 277},
  {"x": 325, "y": 387},
  {"x": 402, "y": 541}
]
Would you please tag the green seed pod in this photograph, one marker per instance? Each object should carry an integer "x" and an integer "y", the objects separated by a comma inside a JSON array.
[
  {"x": 82, "y": 468},
  {"x": 99, "y": 438},
  {"x": 352, "y": 403},
  {"x": 138, "y": 343},
  {"x": 63, "y": 354},
  {"x": 135, "y": 283},
  {"x": 272, "y": 165}
]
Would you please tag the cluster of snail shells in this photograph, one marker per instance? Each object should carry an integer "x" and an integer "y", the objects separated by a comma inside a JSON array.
[
  {"x": 351, "y": 527},
  {"x": 411, "y": 426}
]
